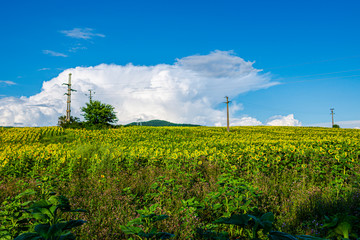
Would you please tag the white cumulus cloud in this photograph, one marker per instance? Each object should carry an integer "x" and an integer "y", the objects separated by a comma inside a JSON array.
[
  {"x": 279, "y": 120},
  {"x": 245, "y": 121},
  {"x": 188, "y": 91}
]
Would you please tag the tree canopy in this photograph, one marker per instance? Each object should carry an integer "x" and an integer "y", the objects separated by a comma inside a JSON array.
[
  {"x": 97, "y": 113},
  {"x": 74, "y": 122}
]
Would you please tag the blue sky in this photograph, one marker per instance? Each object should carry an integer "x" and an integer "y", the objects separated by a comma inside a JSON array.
[{"x": 310, "y": 47}]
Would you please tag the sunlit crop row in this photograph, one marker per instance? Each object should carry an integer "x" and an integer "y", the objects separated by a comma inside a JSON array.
[{"x": 262, "y": 149}]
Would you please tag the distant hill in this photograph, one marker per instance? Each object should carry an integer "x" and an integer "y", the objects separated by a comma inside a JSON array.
[{"x": 161, "y": 123}]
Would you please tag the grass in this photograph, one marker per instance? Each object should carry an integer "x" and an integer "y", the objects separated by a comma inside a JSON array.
[{"x": 299, "y": 207}]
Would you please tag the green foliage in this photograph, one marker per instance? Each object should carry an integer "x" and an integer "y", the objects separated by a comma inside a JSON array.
[
  {"x": 66, "y": 137},
  {"x": 73, "y": 123},
  {"x": 37, "y": 220},
  {"x": 48, "y": 213},
  {"x": 336, "y": 126},
  {"x": 210, "y": 234},
  {"x": 275, "y": 235},
  {"x": 238, "y": 220},
  {"x": 340, "y": 225},
  {"x": 263, "y": 223},
  {"x": 97, "y": 113},
  {"x": 233, "y": 196},
  {"x": 252, "y": 226},
  {"x": 159, "y": 189},
  {"x": 45, "y": 186},
  {"x": 307, "y": 237},
  {"x": 147, "y": 221},
  {"x": 13, "y": 220}
]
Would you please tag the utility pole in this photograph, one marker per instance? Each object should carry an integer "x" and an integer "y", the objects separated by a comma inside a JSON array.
[
  {"x": 139, "y": 123},
  {"x": 332, "y": 116},
  {"x": 90, "y": 95},
  {"x": 227, "y": 111},
  {"x": 68, "y": 102}
]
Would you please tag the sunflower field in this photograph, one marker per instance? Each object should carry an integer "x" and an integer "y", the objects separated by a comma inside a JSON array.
[{"x": 192, "y": 182}]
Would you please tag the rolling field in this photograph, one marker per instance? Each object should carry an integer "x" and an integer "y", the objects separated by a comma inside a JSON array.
[{"x": 306, "y": 177}]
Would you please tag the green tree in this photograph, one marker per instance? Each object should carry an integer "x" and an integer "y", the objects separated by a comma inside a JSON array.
[
  {"x": 74, "y": 122},
  {"x": 97, "y": 113}
]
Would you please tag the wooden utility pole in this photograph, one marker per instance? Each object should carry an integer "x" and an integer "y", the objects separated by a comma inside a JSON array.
[
  {"x": 90, "y": 95},
  {"x": 68, "y": 102},
  {"x": 227, "y": 112},
  {"x": 332, "y": 116},
  {"x": 139, "y": 123}
]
